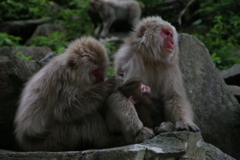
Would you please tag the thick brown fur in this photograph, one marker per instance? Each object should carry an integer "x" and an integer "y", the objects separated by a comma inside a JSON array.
[
  {"x": 145, "y": 56},
  {"x": 60, "y": 106},
  {"x": 112, "y": 10},
  {"x": 149, "y": 107}
]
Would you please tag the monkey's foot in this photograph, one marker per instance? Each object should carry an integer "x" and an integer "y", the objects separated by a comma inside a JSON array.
[
  {"x": 181, "y": 126},
  {"x": 144, "y": 134},
  {"x": 164, "y": 127}
]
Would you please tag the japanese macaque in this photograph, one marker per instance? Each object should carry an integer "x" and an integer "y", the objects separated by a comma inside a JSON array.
[
  {"x": 149, "y": 108},
  {"x": 61, "y": 105},
  {"x": 111, "y": 10},
  {"x": 151, "y": 54}
]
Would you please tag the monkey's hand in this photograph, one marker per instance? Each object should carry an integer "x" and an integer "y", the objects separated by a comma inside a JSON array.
[
  {"x": 164, "y": 127},
  {"x": 119, "y": 81},
  {"x": 181, "y": 126},
  {"x": 144, "y": 134}
]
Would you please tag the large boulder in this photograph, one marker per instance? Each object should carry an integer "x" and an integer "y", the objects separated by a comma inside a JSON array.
[
  {"x": 21, "y": 28},
  {"x": 217, "y": 111},
  {"x": 34, "y": 53},
  {"x": 167, "y": 146},
  {"x": 13, "y": 75},
  {"x": 45, "y": 30}
]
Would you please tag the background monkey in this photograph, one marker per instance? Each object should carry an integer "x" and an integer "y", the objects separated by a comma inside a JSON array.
[
  {"x": 60, "y": 107},
  {"x": 149, "y": 108},
  {"x": 111, "y": 10},
  {"x": 151, "y": 54}
]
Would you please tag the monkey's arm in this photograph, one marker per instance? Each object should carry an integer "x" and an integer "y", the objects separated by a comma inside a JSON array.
[
  {"x": 131, "y": 126},
  {"x": 177, "y": 106},
  {"x": 83, "y": 103},
  {"x": 109, "y": 17}
]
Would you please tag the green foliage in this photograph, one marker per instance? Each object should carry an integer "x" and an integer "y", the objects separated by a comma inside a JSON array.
[
  {"x": 19, "y": 9},
  {"x": 75, "y": 19},
  {"x": 150, "y": 3},
  {"x": 8, "y": 40},
  {"x": 21, "y": 56},
  {"x": 223, "y": 31},
  {"x": 111, "y": 49},
  {"x": 56, "y": 41}
]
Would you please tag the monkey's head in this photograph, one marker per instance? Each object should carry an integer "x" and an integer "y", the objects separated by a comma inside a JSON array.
[
  {"x": 87, "y": 61},
  {"x": 95, "y": 5},
  {"x": 157, "y": 37},
  {"x": 135, "y": 90}
]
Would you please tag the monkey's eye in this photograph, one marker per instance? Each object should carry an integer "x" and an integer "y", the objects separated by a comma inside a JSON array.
[{"x": 167, "y": 33}]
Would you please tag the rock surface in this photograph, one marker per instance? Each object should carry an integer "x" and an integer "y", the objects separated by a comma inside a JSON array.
[
  {"x": 167, "y": 146},
  {"x": 36, "y": 53},
  {"x": 217, "y": 110},
  {"x": 232, "y": 75},
  {"x": 45, "y": 30},
  {"x": 13, "y": 75},
  {"x": 236, "y": 91},
  {"x": 21, "y": 28}
]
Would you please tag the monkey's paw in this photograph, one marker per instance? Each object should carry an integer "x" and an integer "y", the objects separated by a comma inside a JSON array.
[
  {"x": 164, "y": 127},
  {"x": 144, "y": 134},
  {"x": 181, "y": 126},
  {"x": 119, "y": 81}
]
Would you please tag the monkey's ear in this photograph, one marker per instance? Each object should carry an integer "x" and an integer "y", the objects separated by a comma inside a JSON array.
[
  {"x": 72, "y": 63},
  {"x": 131, "y": 98},
  {"x": 141, "y": 31}
]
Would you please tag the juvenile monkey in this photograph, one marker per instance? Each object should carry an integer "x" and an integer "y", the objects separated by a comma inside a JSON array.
[
  {"x": 111, "y": 10},
  {"x": 60, "y": 106},
  {"x": 151, "y": 54},
  {"x": 149, "y": 107}
]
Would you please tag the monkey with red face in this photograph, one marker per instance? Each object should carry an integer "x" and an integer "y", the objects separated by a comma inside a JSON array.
[
  {"x": 61, "y": 105},
  {"x": 149, "y": 108},
  {"x": 151, "y": 54}
]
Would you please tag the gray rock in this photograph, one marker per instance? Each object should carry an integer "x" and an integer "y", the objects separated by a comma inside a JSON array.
[
  {"x": 235, "y": 90},
  {"x": 6, "y": 53},
  {"x": 45, "y": 30},
  {"x": 21, "y": 28},
  {"x": 167, "y": 146},
  {"x": 36, "y": 53},
  {"x": 232, "y": 75},
  {"x": 217, "y": 110},
  {"x": 13, "y": 75}
]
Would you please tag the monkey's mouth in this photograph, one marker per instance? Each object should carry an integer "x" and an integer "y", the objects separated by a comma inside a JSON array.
[
  {"x": 170, "y": 50},
  {"x": 98, "y": 74}
]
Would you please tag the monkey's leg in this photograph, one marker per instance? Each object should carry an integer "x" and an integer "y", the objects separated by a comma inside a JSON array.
[
  {"x": 178, "y": 109},
  {"x": 107, "y": 24},
  {"x": 131, "y": 126},
  {"x": 98, "y": 31},
  {"x": 94, "y": 132}
]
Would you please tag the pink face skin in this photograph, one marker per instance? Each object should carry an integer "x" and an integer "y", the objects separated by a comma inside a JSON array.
[
  {"x": 145, "y": 89},
  {"x": 167, "y": 34}
]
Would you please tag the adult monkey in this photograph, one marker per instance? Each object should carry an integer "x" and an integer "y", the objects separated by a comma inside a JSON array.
[
  {"x": 61, "y": 105},
  {"x": 112, "y": 10},
  {"x": 151, "y": 54}
]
